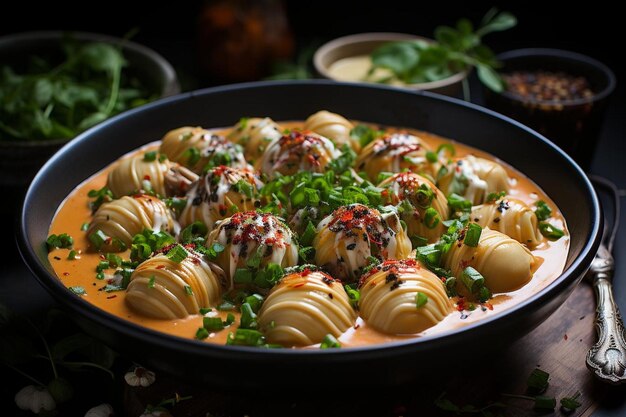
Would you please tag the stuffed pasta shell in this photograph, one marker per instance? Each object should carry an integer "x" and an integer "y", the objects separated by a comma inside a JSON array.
[
  {"x": 253, "y": 238},
  {"x": 505, "y": 264},
  {"x": 347, "y": 237},
  {"x": 510, "y": 216},
  {"x": 474, "y": 178},
  {"x": 138, "y": 173},
  {"x": 297, "y": 151},
  {"x": 219, "y": 193},
  {"x": 394, "y": 153},
  {"x": 421, "y": 205},
  {"x": 162, "y": 288},
  {"x": 401, "y": 297},
  {"x": 333, "y": 126},
  {"x": 254, "y": 135},
  {"x": 304, "y": 307},
  {"x": 123, "y": 218},
  {"x": 199, "y": 149}
]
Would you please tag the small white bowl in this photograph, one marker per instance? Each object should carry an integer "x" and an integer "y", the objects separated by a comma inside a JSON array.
[{"x": 365, "y": 44}]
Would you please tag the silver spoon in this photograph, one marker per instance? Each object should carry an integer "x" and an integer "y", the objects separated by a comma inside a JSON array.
[{"x": 607, "y": 358}]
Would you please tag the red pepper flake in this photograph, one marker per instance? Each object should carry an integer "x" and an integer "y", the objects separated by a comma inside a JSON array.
[
  {"x": 565, "y": 336},
  {"x": 146, "y": 177},
  {"x": 356, "y": 326},
  {"x": 160, "y": 266},
  {"x": 66, "y": 274},
  {"x": 305, "y": 272},
  {"x": 111, "y": 297},
  {"x": 460, "y": 305}
]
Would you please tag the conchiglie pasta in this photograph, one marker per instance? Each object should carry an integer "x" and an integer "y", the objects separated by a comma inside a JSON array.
[
  {"x": 199, "y": 149},
  {"x": 136, "y": 173},
  {"x": 474, "y": 178},
  {"x": 394, "y": 153},
  {"x": 163, "y": 289},
  {"x": 219, "y": 193},
  {"x": 510, "y": 216},
  {"x": 389, "y": 295},
  {"x": 254, "y": 135},
  {"x": 297, "y": 151},
  {"x": 505, "y": 264},
  {"x": 347, "y": 237},
  {"x": 305, "y": 307},
  {"x": 249, "y": 234},
  {"x": 332, "y": 126},
  {"x": 420, "y": 194},
  {"x": 123, "y": 218}
]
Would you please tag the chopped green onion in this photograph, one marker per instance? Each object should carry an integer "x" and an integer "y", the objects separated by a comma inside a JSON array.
[
  {"x": 544, "y": 403},
  {"x": 472, "y": 279},
  {"x": 230, "y": 319},
  {"x": 212, "y": 323},
  {"x": 78, "y": 290},
  {"x": 102, "y": 265},
  {"x": 205, "y": 310},
  {"x": 268, "y": 276},
  {"x": 72, "y": 255},
  {"x": 308, "y": 235},
  {"x": 150, "y": 156},
  {"x": 354, "y": 296},
  {"x": 431, "y": 157},
  {"x": 114, "y": 260},
  {"x": 330, "y": 342},
  {"x": 248, "y": 317},
  {"x": 451, "y": 286},
  {"x": 84, "y": 227},
  {"x": 537, "y": 381},
  {"x": 424, "y": 196},
  {"x": 202, "y": 333},
  {"x": 484, "y": 294},
  {"x": 63, "y": 241},
  {"x": 176, "y": 204},
  {"x": 162, "y": 158},
  {"x": 431, "y": 218},
  {"x": 100, "y": 275},
  {"x": 192, "y": 155},
  {"x": 194, "y": 230},
  {"x": 458, "y": 203},
  {"x": 472, "y": 235},
  {"x": 244, "y": 187},
  {"x": 550, "y": 232},
  {"x": 177, "y": 254},
  {"x": 243, "y": 276},
  {"x": 420, "y": 299},
  {"x": 103, "y": 195},
  {"x": 492, "y": 197},
  {"x": 225, "y": 306},
  {"x": 382, "y": 176},
  {"x": 98, "y": 238},
  {"x": 255, "y": 301},
  {"x": 188, "y": 290},
  {"x": 245, "y": 337},
  {"x": 151, "y": 281},
  {"x": 363, "y": 134},
  {"x": 571, "y": 403},
  {"x": 543, "y": 211},
  {"x": 429, "y": 255},
  {"x": 446, "y": 147}
]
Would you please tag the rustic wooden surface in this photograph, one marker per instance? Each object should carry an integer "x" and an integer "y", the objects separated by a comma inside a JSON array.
[{"x": 558, "y": 346}]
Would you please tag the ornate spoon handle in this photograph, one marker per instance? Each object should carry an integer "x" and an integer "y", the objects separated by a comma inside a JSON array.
[{"x": 607, "y": 358}]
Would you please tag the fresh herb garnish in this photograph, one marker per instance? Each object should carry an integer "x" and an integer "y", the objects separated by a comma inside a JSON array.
[
  {"x": 472, "y": 235},
  {"x": 543, "y": 211},
  {"x": 150, "y": 156},
  {"x": 455, "y": 49},
  {"x": 57, "y": 100},
  {"x": 248, "y": 317},
  {"x": 420, "y": 299},
  {"x": 62, "y": 241},
  {"x": 103, "y": 195},
  {"x": 78, "y": 290},
  {"x": 550, "y": 232},
  {"x": 330, "y": 342}
]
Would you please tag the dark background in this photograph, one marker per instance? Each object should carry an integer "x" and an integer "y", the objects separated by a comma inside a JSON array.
[{"x": 591, "y": 28}]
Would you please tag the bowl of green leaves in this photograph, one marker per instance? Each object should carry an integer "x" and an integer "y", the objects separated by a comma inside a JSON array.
[
  {"x": 55, "y": 85},
  {"x": 439, "y": 65}
]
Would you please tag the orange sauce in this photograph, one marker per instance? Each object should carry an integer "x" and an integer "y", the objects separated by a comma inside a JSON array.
[{"x": 75, "y": 211}]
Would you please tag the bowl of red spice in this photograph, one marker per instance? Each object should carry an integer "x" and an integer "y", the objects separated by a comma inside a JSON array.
[{"x": 561, "y": 94}]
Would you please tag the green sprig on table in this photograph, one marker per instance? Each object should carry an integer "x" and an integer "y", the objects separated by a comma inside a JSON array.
[
  {"x": 47, "y": 102},
  {"x": 455, "y": 49}
]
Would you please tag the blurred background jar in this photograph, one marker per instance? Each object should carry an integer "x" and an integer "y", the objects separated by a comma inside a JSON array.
[{"x": 238, "y": 40}]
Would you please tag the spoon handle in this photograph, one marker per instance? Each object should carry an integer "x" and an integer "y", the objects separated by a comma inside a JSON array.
[{"x": 607, "y": 358}]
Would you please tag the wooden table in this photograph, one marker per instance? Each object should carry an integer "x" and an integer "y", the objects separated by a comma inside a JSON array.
[{"x": 558, "y": 346}]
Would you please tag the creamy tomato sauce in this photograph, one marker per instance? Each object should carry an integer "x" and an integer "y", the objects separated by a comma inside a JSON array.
[{"x": 75, "y": 211}]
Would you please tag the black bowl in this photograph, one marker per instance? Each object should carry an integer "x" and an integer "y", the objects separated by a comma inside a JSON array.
[{"x": 548, "y": 166}]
